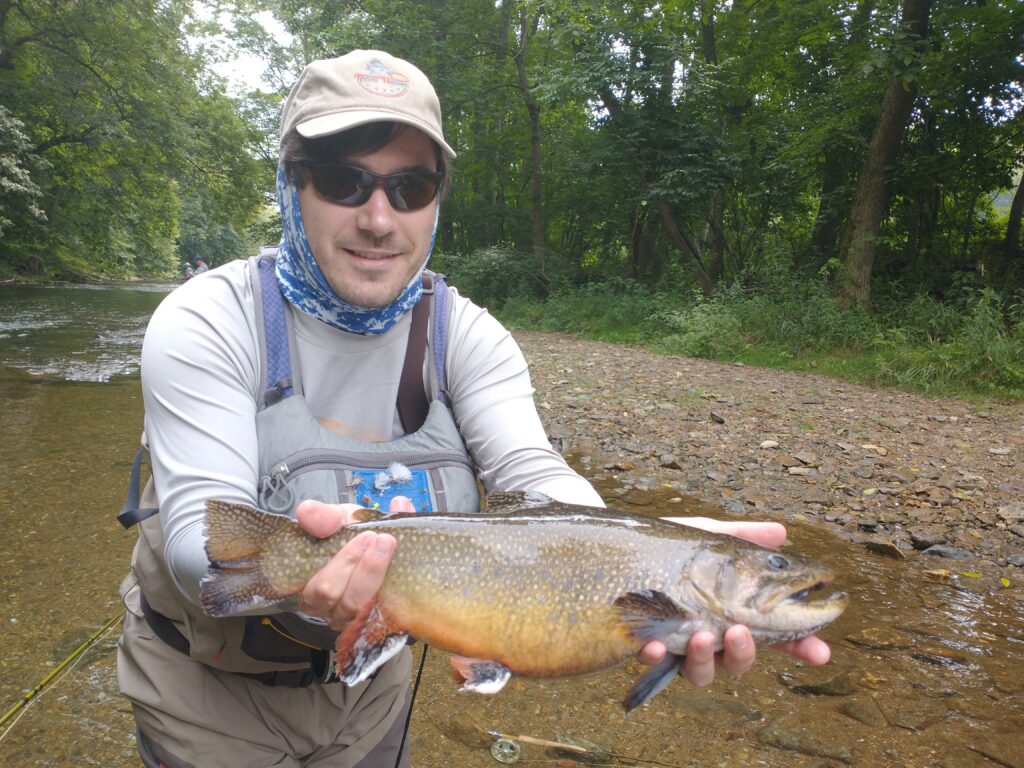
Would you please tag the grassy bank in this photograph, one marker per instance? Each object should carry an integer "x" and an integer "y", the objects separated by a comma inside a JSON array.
[{"x": 972, "y": 347}]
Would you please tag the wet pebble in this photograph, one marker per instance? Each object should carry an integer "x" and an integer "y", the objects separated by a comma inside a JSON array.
[
  {"x": 950, "y": 553},
  {"x": 885, "y": 547},
  {"x": 925, "y": 536}
]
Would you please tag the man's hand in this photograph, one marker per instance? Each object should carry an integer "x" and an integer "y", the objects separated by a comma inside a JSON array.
[
  {"x": 349, "y": 581},
  {"x": 739, "y": 652}
]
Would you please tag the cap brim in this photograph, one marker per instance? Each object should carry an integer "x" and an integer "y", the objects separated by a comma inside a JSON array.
[{"x": 325, "y": 125}]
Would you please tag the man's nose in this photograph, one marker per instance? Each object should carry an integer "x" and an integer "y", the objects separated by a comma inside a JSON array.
[{"x": 376, "y": 215}]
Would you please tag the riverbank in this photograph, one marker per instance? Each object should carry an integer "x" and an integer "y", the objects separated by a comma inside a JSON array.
[{"x": 908, "y": 476}]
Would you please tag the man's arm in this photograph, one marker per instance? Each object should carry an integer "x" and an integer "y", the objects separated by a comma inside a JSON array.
[{"x": 199, "y": 376}]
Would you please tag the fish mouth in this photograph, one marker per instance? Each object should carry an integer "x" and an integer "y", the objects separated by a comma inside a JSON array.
[
  {"x": 784, "y": 612},
  {"x": 802, "y": 598},
  {"x": 803, "y": 601}
]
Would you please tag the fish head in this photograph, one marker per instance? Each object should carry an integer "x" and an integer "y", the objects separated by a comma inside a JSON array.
[{"x": 774, "y": 594}]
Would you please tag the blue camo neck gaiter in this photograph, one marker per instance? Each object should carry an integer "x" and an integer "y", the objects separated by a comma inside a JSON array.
[{"x": 304, "y": 285}]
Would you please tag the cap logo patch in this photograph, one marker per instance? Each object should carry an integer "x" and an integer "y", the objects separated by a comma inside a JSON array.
[{"x": 381, "y": 81}]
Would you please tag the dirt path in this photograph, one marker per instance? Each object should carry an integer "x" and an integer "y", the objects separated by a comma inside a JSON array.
[{"x": 898, "y": 472}]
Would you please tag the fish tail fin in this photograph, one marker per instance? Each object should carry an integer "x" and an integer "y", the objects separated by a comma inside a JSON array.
[
  {"x": 235, "y": 537},
  {"x": 367, "y": 642},
  {"x": 237, "y": 531}
]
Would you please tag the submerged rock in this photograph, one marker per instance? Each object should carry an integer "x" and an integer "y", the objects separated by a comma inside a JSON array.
[{"x": 794, "y": 737}]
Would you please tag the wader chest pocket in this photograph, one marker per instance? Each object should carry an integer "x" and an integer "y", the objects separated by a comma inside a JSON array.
[{"x": 368, "y": 479}]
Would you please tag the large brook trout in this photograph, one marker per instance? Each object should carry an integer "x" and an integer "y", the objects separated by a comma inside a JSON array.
[{"x": 532, "y": 587}]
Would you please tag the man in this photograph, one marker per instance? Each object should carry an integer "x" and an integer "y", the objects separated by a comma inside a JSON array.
[
  {"x": 200, "y": 266},
  {"x": 259, "y": 399}
]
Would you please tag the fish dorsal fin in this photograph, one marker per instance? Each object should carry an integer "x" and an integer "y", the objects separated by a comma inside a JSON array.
[
  {"x": 366, "y": 515},
  {"x": 648, "y": 614},
  {"x": 502, "y": 500}
]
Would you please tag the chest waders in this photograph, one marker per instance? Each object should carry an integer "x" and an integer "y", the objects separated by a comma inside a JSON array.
[{"x": 299, "y": 460}]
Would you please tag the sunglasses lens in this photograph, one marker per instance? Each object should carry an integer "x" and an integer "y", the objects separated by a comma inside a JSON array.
[
  {"x": 341, "y": 183},
  {"x": 350, "y": 185},
  {"x": 410, "y": 191}
]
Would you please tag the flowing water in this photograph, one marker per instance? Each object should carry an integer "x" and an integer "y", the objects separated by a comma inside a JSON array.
[{"x": 926, "y": 666}]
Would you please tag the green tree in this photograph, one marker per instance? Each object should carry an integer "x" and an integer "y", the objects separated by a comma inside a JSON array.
[
  {"x": 19, "y": 205},
  {"x": 128, "y": 121}
]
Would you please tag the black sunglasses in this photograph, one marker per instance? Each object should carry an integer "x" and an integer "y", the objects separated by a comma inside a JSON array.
[{"x": 351, "y": 185}]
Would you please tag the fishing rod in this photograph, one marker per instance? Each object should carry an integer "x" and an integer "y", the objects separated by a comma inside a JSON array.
[
  {"x": 412, "y": 702},
  {"x": 46, "y": 680}
]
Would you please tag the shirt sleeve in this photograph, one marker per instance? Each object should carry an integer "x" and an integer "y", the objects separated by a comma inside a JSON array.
[
  {"x": 199, "y": 380},
  {"x": 492, "y": 397}
]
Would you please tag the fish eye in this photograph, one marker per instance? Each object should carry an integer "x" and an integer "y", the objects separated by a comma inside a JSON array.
[{"x": 777, "y": 562}]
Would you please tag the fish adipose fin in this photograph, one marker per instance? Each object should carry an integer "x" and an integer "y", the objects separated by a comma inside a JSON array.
[
  {"x": 366, "y": 644},
  {"x": 480, "y": 675},
  {"x": 235, "y": 537},
  {"x": 652, "y": 681}
]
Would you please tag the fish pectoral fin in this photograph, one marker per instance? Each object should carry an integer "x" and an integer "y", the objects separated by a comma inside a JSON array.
[
  {"x": 652, "y": 681},
  {"x": 480, "y": 675},
  {"x": 648, "y": 614},
  {"x": 366, "y": 644}
]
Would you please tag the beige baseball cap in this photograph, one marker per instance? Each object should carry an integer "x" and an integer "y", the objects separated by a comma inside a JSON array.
[{"x": 334, "y": 95}]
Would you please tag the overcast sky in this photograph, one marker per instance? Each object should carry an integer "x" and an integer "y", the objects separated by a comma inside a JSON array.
[{"x": 243, "y": 71}]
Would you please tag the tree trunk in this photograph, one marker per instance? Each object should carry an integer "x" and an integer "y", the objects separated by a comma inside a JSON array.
[
  {"x": 527, "y": 29},
  {"x": 680, "y": 241},
  {"x": 1011, "y": 245},
  {"x": 716, "y": 204},
  {"x": 828, "y": 222},
  {"x": 922, "y": 203},
  {"x": 716, "y": 236},
  {"x": 841, "y": 157},
  {"x": 857, "y": 254}
]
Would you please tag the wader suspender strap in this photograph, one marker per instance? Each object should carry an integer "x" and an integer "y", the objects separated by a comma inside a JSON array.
[
  {"x": 275, "y": 333},
  {"x": 441, "y": 337},
  {"x": 130, "y": 513},
  {"x": 412, "y": 401}
]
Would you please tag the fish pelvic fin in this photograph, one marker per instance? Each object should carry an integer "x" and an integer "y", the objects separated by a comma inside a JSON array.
[
  {"x": 480, "y": 675},
  {"x": 366, "y": 644},
  {"x": 652, "y": 682},
  {"x": 648, "y": 614},
  {"x": 235, "y": 537}
]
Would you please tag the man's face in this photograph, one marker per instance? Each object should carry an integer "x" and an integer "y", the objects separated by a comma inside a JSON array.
[{"x": 369, "y": 253}]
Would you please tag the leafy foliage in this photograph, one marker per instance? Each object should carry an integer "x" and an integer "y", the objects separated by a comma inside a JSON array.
[
  {"x": 123, "y": 125},
  {"x": 698, "y": 159}
]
